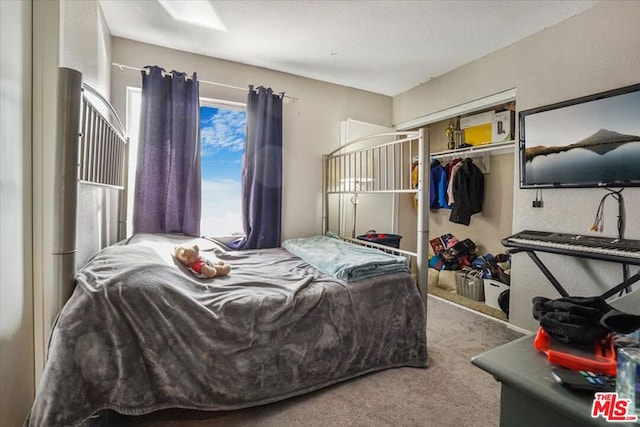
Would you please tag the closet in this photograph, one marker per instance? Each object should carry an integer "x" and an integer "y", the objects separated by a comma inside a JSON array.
[
  {"x": 498, "y": 163},
  {"x": 494, "y": 222}
]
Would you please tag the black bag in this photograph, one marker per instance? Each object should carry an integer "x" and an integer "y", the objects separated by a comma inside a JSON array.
[
  {"x": 581, "y": 320},
  {"x": 451, "y": 257},
  {"x": 503, "y": 302},
  {"x": 464, "y": 247}
]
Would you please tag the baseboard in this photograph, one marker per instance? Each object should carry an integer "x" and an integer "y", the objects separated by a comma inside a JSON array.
[
  {"x": 507, "y": 324},
  {"x": 519, "y": 329}
]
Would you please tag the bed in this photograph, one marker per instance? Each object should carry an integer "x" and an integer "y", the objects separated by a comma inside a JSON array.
[{"x": 139, "y": 333}]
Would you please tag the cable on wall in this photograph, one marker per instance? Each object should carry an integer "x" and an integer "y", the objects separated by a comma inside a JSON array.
[{"x": 598, "y": 223}]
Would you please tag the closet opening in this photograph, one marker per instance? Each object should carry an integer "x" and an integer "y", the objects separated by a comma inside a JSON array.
[{"x": 478, "y": 268}]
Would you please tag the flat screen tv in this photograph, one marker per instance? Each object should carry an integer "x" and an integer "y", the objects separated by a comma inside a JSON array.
[{"x": 593, "y": 141}]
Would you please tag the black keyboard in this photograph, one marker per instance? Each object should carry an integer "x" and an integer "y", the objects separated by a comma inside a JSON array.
[{"x": 596, "y": 247}]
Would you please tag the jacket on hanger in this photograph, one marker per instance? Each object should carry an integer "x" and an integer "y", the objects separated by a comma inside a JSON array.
[
  {"x": 438, "y": 187},
  {"x": 452, "y": 168},
  {"x": 468, "y": 193}
]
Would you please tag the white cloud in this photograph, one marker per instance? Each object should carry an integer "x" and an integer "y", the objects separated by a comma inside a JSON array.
[
  {"x": 222, "y": 188},
  {"x": 225, "y": 131},
  {"x": 221, "y": 208}
]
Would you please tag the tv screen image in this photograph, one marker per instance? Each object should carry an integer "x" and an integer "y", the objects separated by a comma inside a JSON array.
[{"x": 593, "y": 141}]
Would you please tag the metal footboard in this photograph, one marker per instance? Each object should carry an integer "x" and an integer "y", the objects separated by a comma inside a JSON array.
[{"x": 383, "y": 168}]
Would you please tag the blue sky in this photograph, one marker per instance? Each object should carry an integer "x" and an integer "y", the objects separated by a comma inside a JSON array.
[{"x": 222, "y": 134}]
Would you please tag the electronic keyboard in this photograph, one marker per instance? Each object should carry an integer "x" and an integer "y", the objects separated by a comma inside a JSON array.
[{"x": 602, "y": 248}]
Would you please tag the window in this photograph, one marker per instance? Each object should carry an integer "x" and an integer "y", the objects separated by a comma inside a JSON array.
[
  {"x": 134, "y": 104},
  {"x": 222, "y": 136}
]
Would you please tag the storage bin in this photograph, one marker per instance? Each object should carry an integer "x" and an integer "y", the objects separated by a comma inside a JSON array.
[
  {"x": 477, "y": 128},
  {"x": 469, "y": 284},
  {"x": 447, "y": 280},
  {"x": 492, "y": 290},
  {"x": 386, "y": 239}
]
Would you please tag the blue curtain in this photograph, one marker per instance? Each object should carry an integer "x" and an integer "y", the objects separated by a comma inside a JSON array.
[
  {"x": 262, "y": 171},
  {"x": 167, "y": 193}
]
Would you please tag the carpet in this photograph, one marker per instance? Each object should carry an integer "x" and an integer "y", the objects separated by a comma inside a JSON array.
[
  {"x": 479, "y": 306},
  {"x": 451, "y": 392}
]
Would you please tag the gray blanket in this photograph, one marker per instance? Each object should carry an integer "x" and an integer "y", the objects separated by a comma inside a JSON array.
[{"x": 141, "y": 334}]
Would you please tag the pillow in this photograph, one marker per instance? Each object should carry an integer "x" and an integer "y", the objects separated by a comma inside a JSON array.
[
  {"x": 433, "y": 277},
  {"x": 447, "y": 280}
]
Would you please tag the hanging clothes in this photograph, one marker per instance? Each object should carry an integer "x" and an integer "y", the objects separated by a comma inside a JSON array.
[
  {"x": 468, "y": 192},
  {"x": 438, "y": 187},
  {"x": 452, "y": 168}
]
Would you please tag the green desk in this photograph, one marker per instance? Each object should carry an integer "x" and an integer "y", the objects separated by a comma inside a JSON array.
[{"x": 529, "y": 396}]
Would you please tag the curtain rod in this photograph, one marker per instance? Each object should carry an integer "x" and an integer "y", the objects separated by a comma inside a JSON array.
[{"x": 128, "y": 67}]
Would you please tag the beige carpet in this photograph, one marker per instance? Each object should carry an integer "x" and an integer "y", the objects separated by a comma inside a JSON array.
[{"x": 451, "y": 392}]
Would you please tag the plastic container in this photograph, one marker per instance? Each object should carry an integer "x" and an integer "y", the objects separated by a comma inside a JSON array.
[
  {"x": 386, "y": 239},
  {"x": 601, "y": 359},
  {"x": 492, "y": 290},
  {"x": 628, "y": 379},
  {"x": 628, "y": 375},
  {"x": 469, "y": 285}
]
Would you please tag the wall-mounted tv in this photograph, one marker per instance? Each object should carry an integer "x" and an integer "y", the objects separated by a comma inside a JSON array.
[{"x": 593, "y": 141}]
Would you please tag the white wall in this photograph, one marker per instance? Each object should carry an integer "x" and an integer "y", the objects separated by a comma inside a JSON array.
[
  {"x": 589, "y": 53},
  {"x": 311, "y": 126},
  {"x": 16, "y": 283},
  {"x": 85, "y": 43}
]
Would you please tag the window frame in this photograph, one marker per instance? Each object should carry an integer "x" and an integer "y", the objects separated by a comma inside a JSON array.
[{"x": 226, "y": 105}]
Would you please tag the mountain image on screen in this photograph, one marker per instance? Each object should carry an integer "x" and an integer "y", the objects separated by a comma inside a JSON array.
[
  {"x": 591, "y": 141},
  {"x": 600, "y": 142}
]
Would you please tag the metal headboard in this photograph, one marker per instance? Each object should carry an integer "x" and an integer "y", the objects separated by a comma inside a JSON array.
[
  {"x": 383, "y": 168},
  {"x": 102, "y": 146},
  {"x": 90, "y": 149}
]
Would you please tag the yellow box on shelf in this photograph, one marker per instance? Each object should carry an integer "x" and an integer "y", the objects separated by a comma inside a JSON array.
[{"x": 478, "y": 128}]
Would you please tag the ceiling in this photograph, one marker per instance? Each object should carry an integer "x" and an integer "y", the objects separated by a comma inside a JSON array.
[{"x": 385, "y": 47}]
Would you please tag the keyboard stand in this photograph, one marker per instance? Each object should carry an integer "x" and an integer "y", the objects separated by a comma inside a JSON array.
[{"x": 538, "y": 262}]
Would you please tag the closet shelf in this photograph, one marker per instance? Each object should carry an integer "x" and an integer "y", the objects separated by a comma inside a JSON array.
[
  {"x": 482, "y": 151},
  {"x": 495, "y": 148}
]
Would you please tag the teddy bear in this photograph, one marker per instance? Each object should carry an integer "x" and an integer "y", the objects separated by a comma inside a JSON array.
[{"x": 200, "y": 267}]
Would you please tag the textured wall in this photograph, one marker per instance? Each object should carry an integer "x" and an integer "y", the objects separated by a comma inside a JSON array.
[{"x": 85, "y": 43}]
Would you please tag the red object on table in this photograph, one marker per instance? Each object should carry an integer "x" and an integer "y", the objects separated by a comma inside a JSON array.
[{"x": 602, "y": 361}]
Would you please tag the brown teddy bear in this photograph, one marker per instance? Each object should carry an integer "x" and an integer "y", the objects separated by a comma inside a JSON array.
[{"x": 200, "y": 267}]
